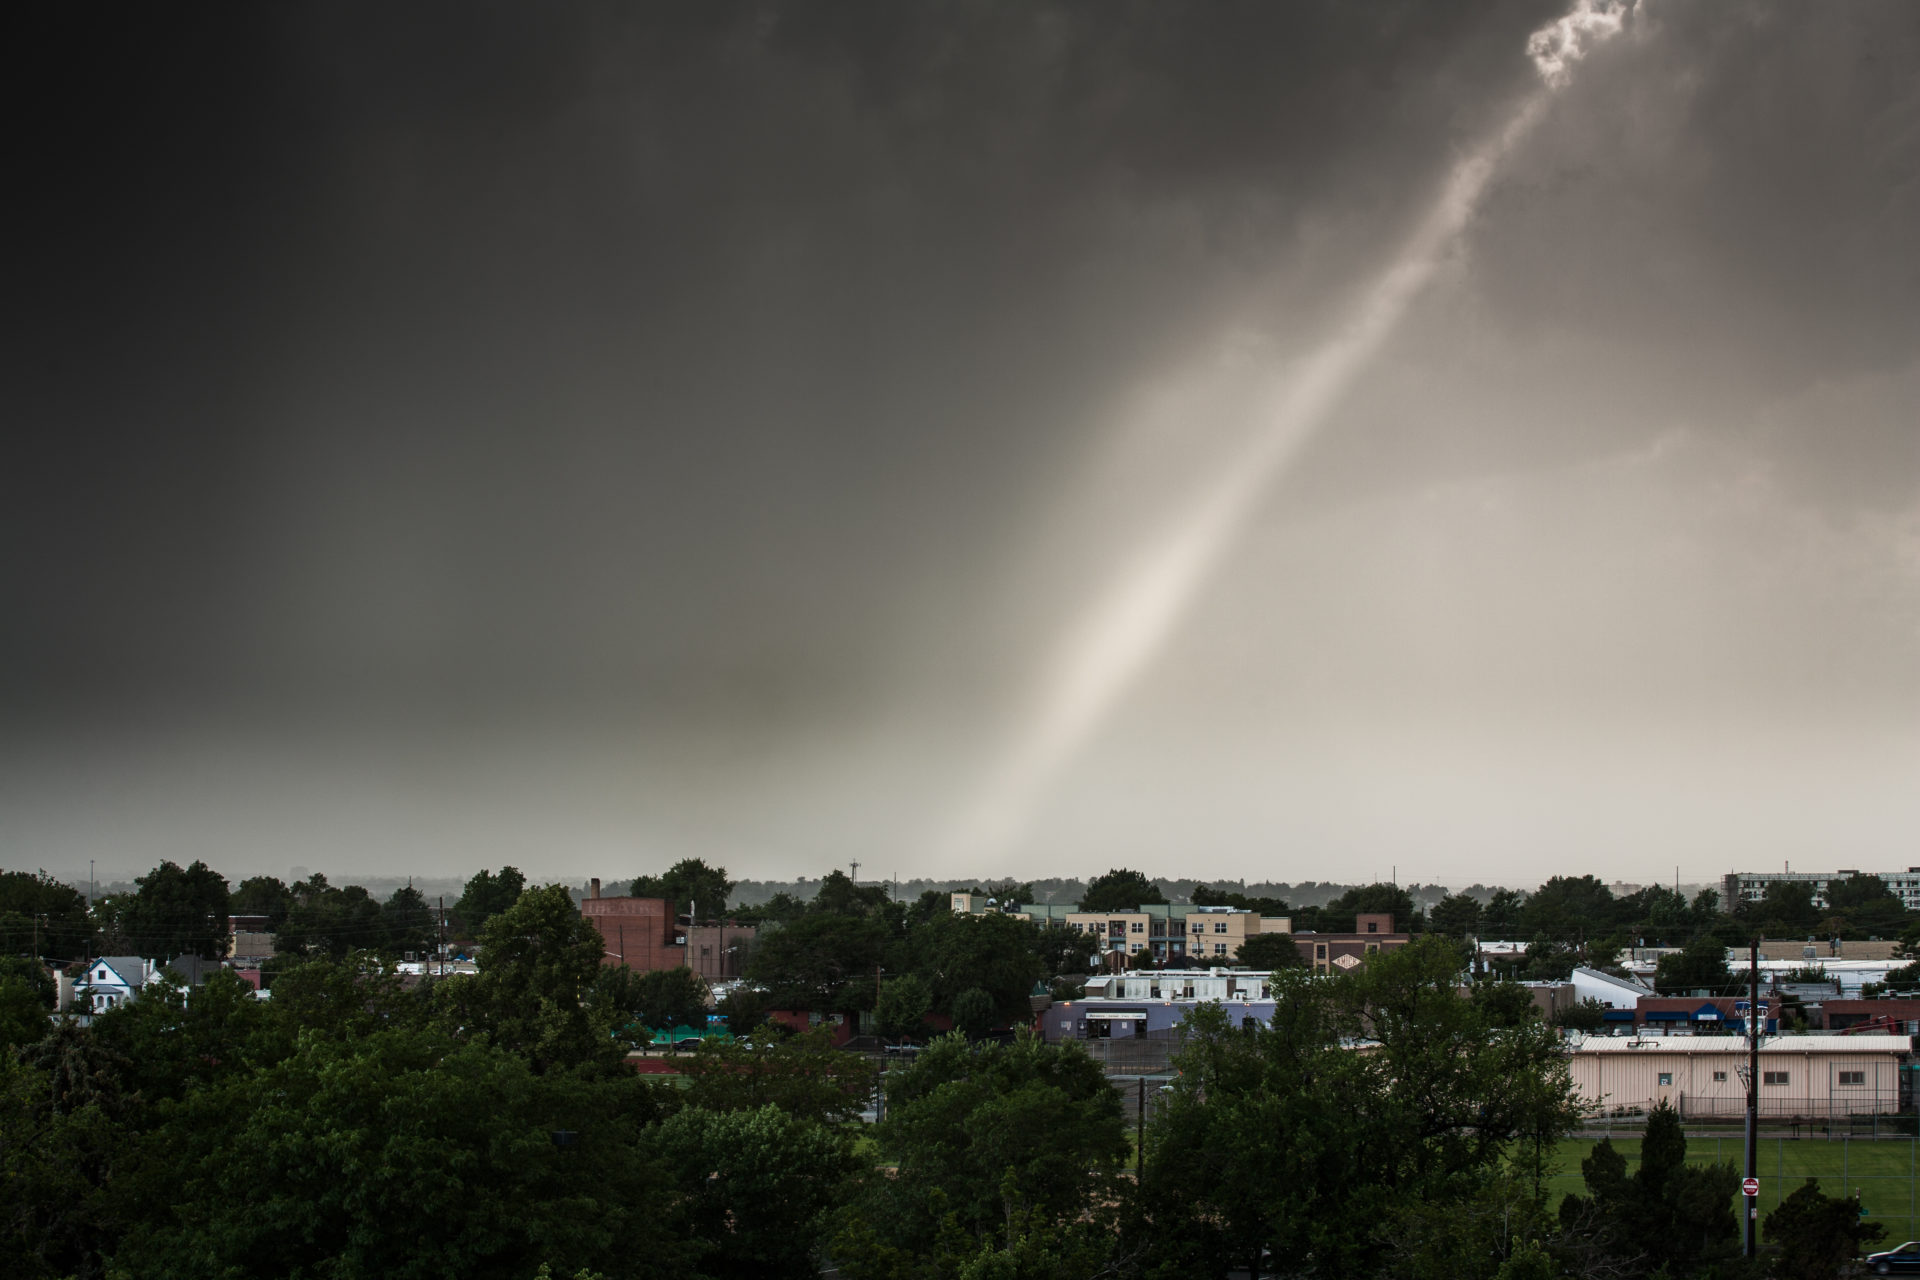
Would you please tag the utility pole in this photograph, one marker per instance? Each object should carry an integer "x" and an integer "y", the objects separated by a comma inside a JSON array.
[
  {"x": 855, "y": 864},
  {"x": 1753, "y": 1089}
]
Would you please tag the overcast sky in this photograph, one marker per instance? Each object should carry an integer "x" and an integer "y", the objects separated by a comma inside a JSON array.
[{"x": 589, "y": 436}]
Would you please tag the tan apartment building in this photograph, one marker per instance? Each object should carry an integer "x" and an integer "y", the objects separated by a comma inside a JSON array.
[{"x": 1177, "y": 933}]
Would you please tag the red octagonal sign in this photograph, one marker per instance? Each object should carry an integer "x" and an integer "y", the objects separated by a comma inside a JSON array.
[{"x": 1750, "y": 1186}]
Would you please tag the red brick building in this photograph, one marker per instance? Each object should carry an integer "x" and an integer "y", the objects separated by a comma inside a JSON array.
[
  {"x": 1342, "y": 952},
  {"x": 1840, "y": 1014},
  {"x": 641, "y": 933}
]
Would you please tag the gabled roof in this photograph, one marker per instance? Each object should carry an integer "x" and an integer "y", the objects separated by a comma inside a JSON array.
[{"x": 127, "y": 971}]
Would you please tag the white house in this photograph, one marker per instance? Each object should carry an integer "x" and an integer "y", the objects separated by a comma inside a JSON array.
[{"x": 112, "y": 981}]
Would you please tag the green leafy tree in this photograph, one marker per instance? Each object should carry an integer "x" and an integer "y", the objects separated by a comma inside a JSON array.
[
  {"x": 1700, "y": 966},
  {"x": 1590, "y": 1015},
  {"x": 331, "y": 921},
  {"x": 407, "y": 922},
  {"x": 1818, "y": 1235},
  {"x": 177, "y": 912},
  {"x": 1570, "y": 909},
  {"x": 1269, "y": 951},
  {"x": 1285, "y": 1142},
  {"x": 174, "y": 1040},
  {"x": 822, "y": 962},
  {"x": 744, "y": 1008},
  {"x": 993, "y": 1144},
  {"x": 657, "y": 999},
  {"x": 973, "y": 1013},
  {"x": 1786, "y": 909},
  {"x": 754, "y": 1187},
  {"x": 23, "y": 1012},
  {"x": 40, "y": 916},
  {"x": 502, "y": 1170},
  {"x": 1864, "y": 906},
  {"x": 539, "y": 963},
  {"x": 1339, "y": 915},
  {"x": 262, "y": 896},
  {"x": 804, "y": 1076},
  {"x": 1501, "y": 917},
  {"x": 1063, "y": 952},
  {"x": 994, "y": 954},
  {"x": 1456, "y": 915},
  {"x": 839, "y": 895},
  {"x": 346, "y": 999},
  {"x": 690, "y": 881},
  {"x": 1120, "y": 890},
  {"x": 486, "y": 894},
  {"x": 902, "y": 1009}
]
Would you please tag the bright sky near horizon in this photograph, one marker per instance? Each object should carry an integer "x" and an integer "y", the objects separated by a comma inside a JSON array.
[{"x": 454, "y": 437}]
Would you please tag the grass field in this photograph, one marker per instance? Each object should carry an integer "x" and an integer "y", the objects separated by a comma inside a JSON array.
[{"x": 1881, "y": 1170}]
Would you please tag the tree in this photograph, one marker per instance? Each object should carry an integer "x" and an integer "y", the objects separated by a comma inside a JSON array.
[
  {"x": 486, "y": 894},
  {"x": 539, "y": 963},
  {"x": 822, "y": 961},
  {"x": 329, "y": 921},
  {"x": 973, "y": 1013},
  {"x": 1269, "y": 951},
  {"x": 754, "y": 1187},
  {"x": 1120, "y": 890},
  {"x": 839, "y": 895},
  {"x": 177, "y": 912},
  {"x": 804, "y": 1076},
  {"x": 1569, "y": 909},
  {"x": 1699, "y": 966},
  {"x": 1787, "y": 908},
  {"x": 1286, "y": 1142},
  {"x": 1339, "y": 915},
  {"x": 903, "y": 1006},
  {"x": 407, "y": 921},
  {"x": 690, "y": 881},
  {"x": 503, "y": 1170},
  {"x": 1500, "y": 918},
  {"x": 1667, "y": 1214},
  {"x": 992, "y": 1143},
  {"x": 659, "y": 999},
  {"x": 1456, "y": 915},
  {"x": 262, "y": 896},
  {"x": 1861, "y": 906},
  {"x": 41, "y": 916},
  {"x": 991, "y": 953},
  {"x": 1818, "y": 1235}
]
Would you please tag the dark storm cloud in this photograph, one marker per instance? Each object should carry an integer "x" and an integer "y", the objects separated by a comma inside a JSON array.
[
  {"x": 713, "y": 409},
  {"x": 414, "y": 340}
]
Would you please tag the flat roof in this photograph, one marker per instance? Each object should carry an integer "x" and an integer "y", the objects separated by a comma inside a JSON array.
[{"x": 1738, "y": 1044}]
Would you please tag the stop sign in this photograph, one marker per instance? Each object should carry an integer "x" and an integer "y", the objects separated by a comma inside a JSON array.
[{"x": 1750, "y": 1186}]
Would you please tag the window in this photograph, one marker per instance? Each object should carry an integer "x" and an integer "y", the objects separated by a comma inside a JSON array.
[
  {"x": 1219, "y": 948},
  {"x": 1319, "y": 951},
  {"x": 1853, "y": 1077},
  {"x": 1198, "y": 927},
  {"x": 1666, "y": 1077},
  {"x": 1773, "y": 1077},
  {"x": 1219, "y": 926},
  {"x": 1373, "y": 926},
  {"x": 1719, "y": 1077},
  {"x": 1139, "y": 926}
]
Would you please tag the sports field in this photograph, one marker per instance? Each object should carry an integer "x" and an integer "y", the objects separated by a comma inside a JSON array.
[{"x": 1882, "y": 1170}]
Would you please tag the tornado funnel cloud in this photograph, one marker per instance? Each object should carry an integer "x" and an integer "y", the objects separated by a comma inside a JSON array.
[{"x": 1115, "y": 638}]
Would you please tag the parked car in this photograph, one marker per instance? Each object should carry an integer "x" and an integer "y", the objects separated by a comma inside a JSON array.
[{"x": 1890, "y": 1261}]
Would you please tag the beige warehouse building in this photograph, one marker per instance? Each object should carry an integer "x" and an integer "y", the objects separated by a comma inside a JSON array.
[{"x": 1816, "y": 1077}]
